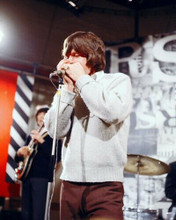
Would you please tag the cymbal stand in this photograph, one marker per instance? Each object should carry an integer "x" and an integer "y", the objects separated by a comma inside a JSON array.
[{"x": 138, "y": 166}]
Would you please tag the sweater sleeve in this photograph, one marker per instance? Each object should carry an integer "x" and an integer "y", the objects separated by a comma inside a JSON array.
[
  {"x": 113, "y": 102},
  {"x": 62, "y": 106}
]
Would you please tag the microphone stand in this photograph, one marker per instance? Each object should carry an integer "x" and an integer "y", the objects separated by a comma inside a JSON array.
[{"x": 53, "y": 159}]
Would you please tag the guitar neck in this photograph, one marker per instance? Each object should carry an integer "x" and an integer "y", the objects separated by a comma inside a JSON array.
[{"x": 33, "y": 141}]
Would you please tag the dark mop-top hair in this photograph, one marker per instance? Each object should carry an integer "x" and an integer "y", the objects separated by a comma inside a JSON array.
[{"x": 89, "y": 45}]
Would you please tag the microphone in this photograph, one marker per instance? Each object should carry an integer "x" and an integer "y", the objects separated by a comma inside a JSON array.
[{"x": 57, "y": 73}]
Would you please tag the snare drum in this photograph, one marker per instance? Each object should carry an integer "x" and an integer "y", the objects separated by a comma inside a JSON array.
[{"x": 142, "y": 214}]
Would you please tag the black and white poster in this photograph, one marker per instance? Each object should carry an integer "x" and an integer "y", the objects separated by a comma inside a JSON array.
[{"x": 151, "y": 65}]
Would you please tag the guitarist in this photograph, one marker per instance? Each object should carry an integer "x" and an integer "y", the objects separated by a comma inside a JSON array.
[{"x": 34, "y": 185}]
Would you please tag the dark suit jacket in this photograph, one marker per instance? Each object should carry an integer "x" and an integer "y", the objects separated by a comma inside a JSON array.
[{"x": 170, "y": 185}]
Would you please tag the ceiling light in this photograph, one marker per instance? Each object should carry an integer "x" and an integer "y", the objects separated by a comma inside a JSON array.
[
  {"x": 72, "y": 3},
  {"x": 1, "y": 35}
]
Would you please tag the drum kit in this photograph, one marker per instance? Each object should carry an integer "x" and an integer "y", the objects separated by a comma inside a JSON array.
[{"x": 143, "y": 165}]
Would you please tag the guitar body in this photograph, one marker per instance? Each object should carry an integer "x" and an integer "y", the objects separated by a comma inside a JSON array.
[{"x": 24, "y": 166}]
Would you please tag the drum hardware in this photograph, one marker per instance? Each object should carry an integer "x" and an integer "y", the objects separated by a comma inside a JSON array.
[
  {"x": 144, "y": 165},
  {"x": 141, "y": 214}
]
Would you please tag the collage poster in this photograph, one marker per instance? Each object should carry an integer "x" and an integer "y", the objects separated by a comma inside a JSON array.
[{"x": 150, "y": 62}]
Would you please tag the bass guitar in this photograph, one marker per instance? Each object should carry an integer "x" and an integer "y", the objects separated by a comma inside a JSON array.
[{"x": 24, "y": 166}]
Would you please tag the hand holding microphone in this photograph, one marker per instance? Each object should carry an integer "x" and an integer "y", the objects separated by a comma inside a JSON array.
[
  {"x": 70, "y": 73},
  {"x": 62, "y": 72},
  {"x": 60, "y": 69}
]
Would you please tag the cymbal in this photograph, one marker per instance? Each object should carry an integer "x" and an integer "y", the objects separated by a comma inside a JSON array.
[{"x": 144, "y": 165}]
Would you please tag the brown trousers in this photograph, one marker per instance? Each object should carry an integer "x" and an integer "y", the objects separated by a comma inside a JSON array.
[{"x": 91, "y": 201}]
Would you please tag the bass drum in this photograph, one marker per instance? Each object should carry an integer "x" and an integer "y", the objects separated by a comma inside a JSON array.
[{"x": 142, "y": 214}]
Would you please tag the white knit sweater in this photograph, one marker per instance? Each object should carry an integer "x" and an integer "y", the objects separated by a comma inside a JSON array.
[{"x": 95, "y": 125}]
